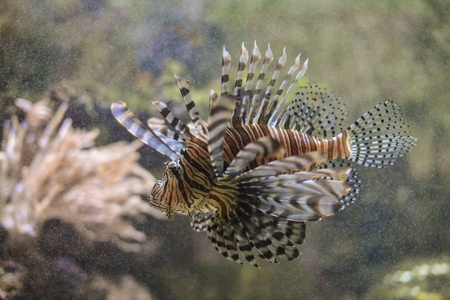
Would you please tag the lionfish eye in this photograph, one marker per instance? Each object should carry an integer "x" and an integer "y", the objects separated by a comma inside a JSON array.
[{"x": 174, "y": 170}]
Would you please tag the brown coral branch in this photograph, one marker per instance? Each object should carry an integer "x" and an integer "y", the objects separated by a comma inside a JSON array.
[{"x": 50, "y": 170}]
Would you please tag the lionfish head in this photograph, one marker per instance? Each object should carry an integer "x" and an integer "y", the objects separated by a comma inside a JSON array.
[{"x": 164, "y": 194}]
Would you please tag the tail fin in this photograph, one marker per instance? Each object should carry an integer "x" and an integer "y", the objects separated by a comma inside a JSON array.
[{"x": 380, "y": 137}]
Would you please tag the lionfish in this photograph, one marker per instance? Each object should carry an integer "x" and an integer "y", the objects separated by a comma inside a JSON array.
[{"x": 257, "y": 170}]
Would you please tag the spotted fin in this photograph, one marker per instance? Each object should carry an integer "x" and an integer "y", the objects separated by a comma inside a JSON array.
[
  {"x": 314, "y": 111},
  {"x": 126, "y": 118},
  {"x": 200, "y": 220},
  {"x": 276, "y": 241},
  {"x": 380, "y": 137},
  {"x": 294, "y": 231},
  {"x": 352, "y": 177},
  {"x": 227, "y": 241},
  {"x": 244, "y": 242},
  {"x": 250, "y": 232}
]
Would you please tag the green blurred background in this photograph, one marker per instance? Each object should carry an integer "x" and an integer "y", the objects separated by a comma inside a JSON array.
[{"x": 364, "y": 51}]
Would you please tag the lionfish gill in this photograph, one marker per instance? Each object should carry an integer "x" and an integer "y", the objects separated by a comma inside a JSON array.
[{"x": 258, "y": 170}]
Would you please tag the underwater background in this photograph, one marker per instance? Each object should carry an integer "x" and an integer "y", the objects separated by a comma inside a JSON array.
[{"x": 74, "y": 222}]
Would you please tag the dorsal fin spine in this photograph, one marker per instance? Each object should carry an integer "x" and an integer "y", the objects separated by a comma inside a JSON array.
[
  {"x": 246, "y": 101},
  {"x": 274, "y": 106},
  {"x": 226, "y": 64},
  {"x": 297, "y": 78},
  {"x": 260, "y": 116},
  {"x": 268, "y": 58}
]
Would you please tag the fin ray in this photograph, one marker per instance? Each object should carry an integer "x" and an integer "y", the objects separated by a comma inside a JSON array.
[
  {"x": 126, "y": 118},
  {"x": 380, "y": 137},
  {"x": 219, "y": 116}
]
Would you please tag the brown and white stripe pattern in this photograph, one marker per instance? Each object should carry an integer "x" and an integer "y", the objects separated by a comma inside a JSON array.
[
  {"x": 172, "y": 120},
  {"x": 292, "y": 69},
  {"x": 126, "y": 118},
  {"x": 293, "y": 142},
  {"x": 260, "y": 116},
  {"x": 243, "y": 59},
  {"x": 257, "y": 171},
  {"x": 226, "y": 64},
  {"x": 196, "y": 119},
  {"x": 256, "y": 56},
  {"x": 264, "y": 147},
  {"x": 219, "y": 117},
  {"x": 268, "y": 58}
]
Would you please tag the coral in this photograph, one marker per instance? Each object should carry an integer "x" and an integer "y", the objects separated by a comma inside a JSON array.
[
  {"x": 49, "y": 170},
  {"x": 426, "y": 279},
  {"x": 122, "y": 288},
  {"x": 12, "y": 277}
]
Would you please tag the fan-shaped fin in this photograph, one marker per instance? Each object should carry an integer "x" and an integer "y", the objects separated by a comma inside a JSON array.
[
  {"x": 200, "y": 220},
  {"x": 316, "y": 112},
  {"x": 295, "y": 231},
  {"x": 329, "y": 173},
  {"x": 288, "y": 165},
  {"x": 227, "y": 242},
  {"x": 245, "y": 245},
  {"x": 279, "y": 245},
  {"x": 380, "y": 136},
  {"x": 221, "y": 241},
  {"x": 307, "y": 200},
  {"x": 283, "y": 189},
  {"x": 352, "y": 177},
  {"x": 255, "y": 235},
  {"x": 212, "y": 233}
]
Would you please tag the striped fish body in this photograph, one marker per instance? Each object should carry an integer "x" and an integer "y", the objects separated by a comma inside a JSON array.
[
  {"x": 293, "y": 142},
  {"x": 196, "y": 189},
  {"x": 257, "y": 170}
]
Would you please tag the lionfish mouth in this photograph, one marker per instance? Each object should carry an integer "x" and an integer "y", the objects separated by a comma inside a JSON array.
[{"x": 155, "y": 203}]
